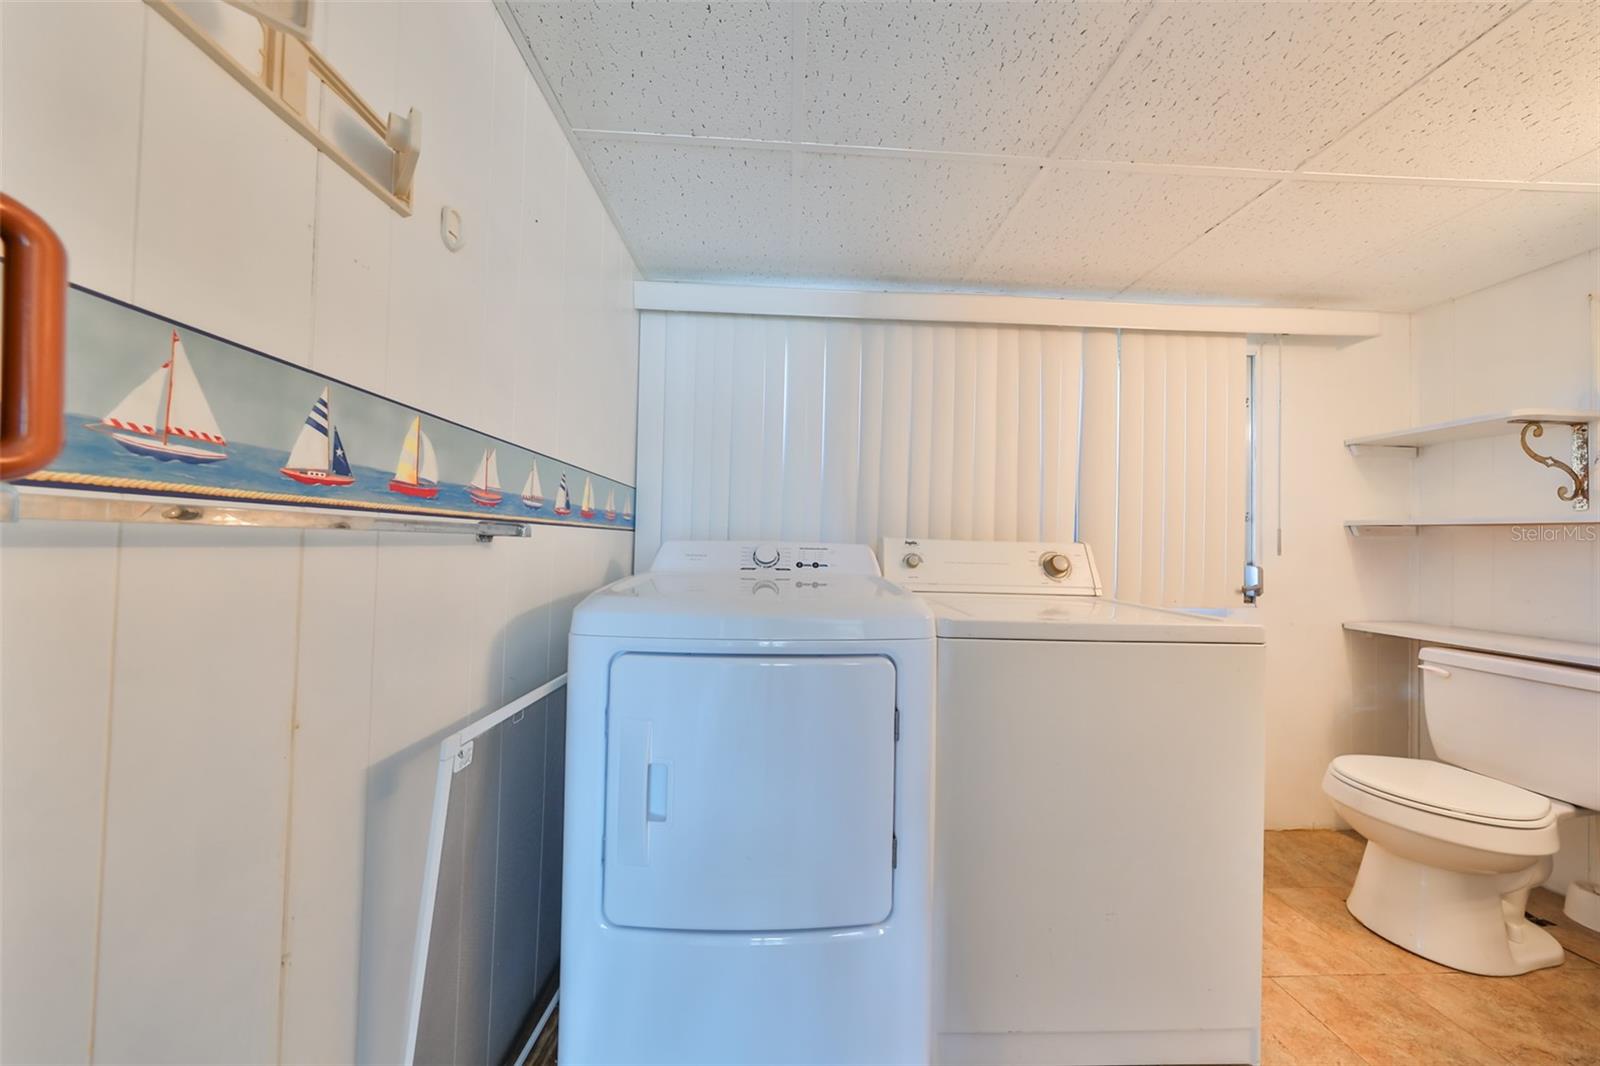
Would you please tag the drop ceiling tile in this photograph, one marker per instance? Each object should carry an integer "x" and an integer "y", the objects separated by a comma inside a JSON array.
[
  {"x": 1301, "y": 232},
  {"x": 1097, "y": 231},
  {"x": 897, "y": 219},
  {"x": 1518, "y": 102},
  {"x": 720, "y": 69},
  {"x": 1503, "y": 238},
  {"x": 696, "y": 211},
  {"x": 1263, "y": 84},
  {"x": 978, "y": 77}
]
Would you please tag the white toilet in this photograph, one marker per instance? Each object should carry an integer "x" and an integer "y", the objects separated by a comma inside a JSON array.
[{"x": 1454, "y": 847}]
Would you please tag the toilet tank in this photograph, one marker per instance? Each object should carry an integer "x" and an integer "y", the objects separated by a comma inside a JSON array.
[{"x": 1536, "y": 725}]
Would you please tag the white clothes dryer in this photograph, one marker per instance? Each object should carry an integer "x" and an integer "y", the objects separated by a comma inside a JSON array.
[
  {"x": 1098, "y": 824},
  {"x": 748, "y": 799}
]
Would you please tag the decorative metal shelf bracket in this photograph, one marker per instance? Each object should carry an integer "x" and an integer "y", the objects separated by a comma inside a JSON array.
[{"x": 1578, "y": 493}]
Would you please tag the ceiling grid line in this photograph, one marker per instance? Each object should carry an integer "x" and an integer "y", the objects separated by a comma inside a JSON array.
[
  {"x": 1195, "y": 170},
  {"x": 1356, "y": 126},
  {"x": 797, "y": 116},
  {"x": 1235, "y": 213}
]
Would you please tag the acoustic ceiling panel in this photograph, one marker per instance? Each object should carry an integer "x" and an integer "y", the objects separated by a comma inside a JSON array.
[
  {"x": 697, "y": 211},
  {"x": 715, "y": 68},
  {"x": 921, "y": 220},
  {"x": 1263, "y": 84},
  {"x": 1280, "y": 245},
  {"x": 961, "y": 77},
  {"x": 1097, "y": 231},
  {"x": 1069, "y": 148},
  {"x": 1507, "y": 236},
  {"x": 1521, "y": 100}
]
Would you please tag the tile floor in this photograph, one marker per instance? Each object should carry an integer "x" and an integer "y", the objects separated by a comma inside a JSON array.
[{"x": 1335, "y": 993}]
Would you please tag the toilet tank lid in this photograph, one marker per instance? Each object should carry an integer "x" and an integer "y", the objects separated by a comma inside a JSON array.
[
  {"x": 1442, "y": 787},
  {"x": 1525, "y": 669}
]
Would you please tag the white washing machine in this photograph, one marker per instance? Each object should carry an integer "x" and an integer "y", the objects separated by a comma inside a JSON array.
[
  {"x": 748, "y": 797},
  {"x": 1099, "y": 815}
]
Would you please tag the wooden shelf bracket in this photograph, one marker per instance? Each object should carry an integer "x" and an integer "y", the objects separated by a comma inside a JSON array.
[{"x": 288, "y": 63}]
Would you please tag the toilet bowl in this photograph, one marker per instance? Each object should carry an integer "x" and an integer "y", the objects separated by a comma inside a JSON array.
[{"x": 1455, "y": 846}]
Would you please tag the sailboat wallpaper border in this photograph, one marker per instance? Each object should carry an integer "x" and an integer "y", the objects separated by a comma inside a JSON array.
[{"x": 159, "y": 408}]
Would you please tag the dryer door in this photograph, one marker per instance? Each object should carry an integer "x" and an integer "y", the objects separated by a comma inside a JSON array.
[{"x": 749, "y": 793}]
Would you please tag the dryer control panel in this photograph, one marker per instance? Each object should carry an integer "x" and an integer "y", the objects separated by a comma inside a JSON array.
[
  {"x": 1037, "y": 568},
  {"x": 755, "y": 557}
]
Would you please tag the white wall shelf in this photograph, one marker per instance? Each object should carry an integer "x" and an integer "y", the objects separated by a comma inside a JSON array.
[
  {"x": 1368, "y": 527},
  {"x": 1490, "y": 425},
  {"x": 1528, "y": 422},
  {"x": 1569, "y": 652}
]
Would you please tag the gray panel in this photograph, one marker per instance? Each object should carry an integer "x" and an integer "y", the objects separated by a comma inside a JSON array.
[
  {"x": 436, "y": 1029},
  {"x": 516, "y": 932},
  {"x": 496, "y": 932},
  {"x": 555, "y": 764},
  {"x": 480, "y": 813}
]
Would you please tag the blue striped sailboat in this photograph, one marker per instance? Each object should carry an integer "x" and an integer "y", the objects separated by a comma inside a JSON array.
[{"x": 318, "y": 456}]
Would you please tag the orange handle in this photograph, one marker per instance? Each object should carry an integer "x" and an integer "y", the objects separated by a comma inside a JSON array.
[{"x": 33, "y": 378}]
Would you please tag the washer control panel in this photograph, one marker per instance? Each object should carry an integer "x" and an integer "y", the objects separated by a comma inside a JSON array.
[
  {"x": 797, "y": 558},
  {"x": 995, "y": 566}
]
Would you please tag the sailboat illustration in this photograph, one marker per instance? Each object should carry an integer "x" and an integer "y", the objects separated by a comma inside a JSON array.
[
  {"x": 611, "y": 505},
  {"x": 532, "y": 491},
  {"x": 586, "y": 510},
  {"x": 485, "y": 487},
  {"x": 318, "y": 456},
  {"x": 563, "y": 498},
  {"x": 167, "y": 404},
  {"x": 627, "y": 508},
  {"x": 417, "y": 472}
]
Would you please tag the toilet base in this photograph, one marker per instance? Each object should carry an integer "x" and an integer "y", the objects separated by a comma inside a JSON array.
[{"x": 1468, "y": 921}]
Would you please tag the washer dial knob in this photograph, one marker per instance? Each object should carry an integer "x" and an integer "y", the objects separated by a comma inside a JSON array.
[
  {"x": 765, "y": 555},
  {"x": 911, "y": 561},
  {"x": 1055, "y": 565}
]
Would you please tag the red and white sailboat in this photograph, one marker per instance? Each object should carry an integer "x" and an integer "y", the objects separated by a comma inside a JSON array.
[
  {"x": 627, "y": 507},
  {"x": 586, "y": 509},
  {"x": 166, "y": 414},
  {"x": 611, "y": 505},
  {"x": 417, "y": 472},
  {"x": 485, "y": 487}
]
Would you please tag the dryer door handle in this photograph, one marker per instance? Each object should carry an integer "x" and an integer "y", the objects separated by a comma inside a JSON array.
[
  {"x": 1429, "y": 668},
  {"x": 655, "y": 790},
  {"x": 633, "y": 802}
]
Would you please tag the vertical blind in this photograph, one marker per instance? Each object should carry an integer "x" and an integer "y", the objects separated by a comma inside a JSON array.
[{"x": 845, "y": 430}]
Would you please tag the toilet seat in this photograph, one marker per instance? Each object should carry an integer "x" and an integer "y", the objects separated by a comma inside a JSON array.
[
  {"x": 1530, "y": 839},
  {"x": 1446, "y": 791}
]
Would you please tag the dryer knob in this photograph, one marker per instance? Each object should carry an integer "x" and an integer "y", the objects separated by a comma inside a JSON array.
[
  {"x": 912, "y": 561},
  {"x": 765, "y": 555},
  {"x": 1056, "y": 565}
]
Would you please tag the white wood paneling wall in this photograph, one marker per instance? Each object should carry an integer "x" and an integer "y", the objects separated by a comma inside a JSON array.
[
  {"x": 848, "y": 430},
  {"x": 219, "y": 744}
]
